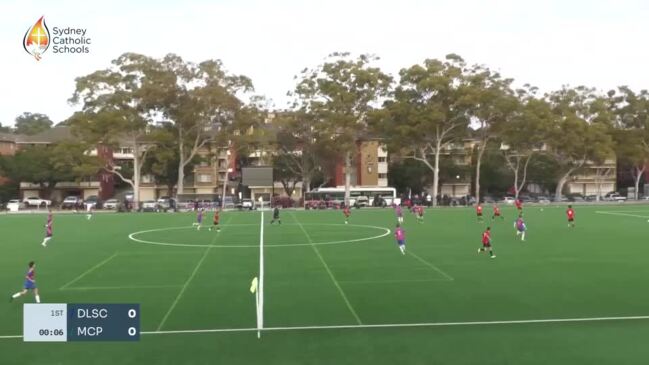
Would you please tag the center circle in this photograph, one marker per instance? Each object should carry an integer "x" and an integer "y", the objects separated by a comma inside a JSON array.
[{"x": 382, "y": 232}]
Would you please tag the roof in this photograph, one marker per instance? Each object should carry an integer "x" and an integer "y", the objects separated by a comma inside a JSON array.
[
  {"x": 52, "y": 135},
  {"x": 7, "y": 137}
]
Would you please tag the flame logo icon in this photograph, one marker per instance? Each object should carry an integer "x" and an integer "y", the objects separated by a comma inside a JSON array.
[{"x": 37, "y": 39}]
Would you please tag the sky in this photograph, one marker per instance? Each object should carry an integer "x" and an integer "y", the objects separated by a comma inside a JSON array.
[{"x": 598, "y": 43}]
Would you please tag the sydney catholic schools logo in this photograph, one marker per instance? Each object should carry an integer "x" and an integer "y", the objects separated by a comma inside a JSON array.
[
  {"x": 37, "y": 39},
  {"x": 65, "y": 40}
]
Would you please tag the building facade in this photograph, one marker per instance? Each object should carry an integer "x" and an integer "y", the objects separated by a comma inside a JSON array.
[{"x": 370, "y": 166}]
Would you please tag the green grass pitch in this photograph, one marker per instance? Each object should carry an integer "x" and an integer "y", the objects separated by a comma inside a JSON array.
[{"x": 321, "y": 273}]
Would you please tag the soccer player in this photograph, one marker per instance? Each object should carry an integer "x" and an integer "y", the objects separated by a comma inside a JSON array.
[
  {"x": 400, "y": 236},
  {"x": 520, "y": 227},
  {"x": 89, "y": 210},
  {"x": 519, "y": 205},
  {"x": 497, "y": 213},
  {"x": 48, "y": 228},
  {"x": 478, "y": 211},
  {"x": 276, "y": 216},
  {"x": 571, "y": 216},
  {"x": 399, "y": 213},
  {"x": 216, "y": 221},
  {"x": 486, "y": 243},
  {"x": 420, "y": 213},
  {"x": 30, "y": 284},
  {"x": 199, "y": 220},
  {"x": 347, "y": 213}
]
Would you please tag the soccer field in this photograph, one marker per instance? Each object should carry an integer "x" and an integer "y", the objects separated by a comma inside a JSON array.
[{"x": 342, "y": 294}]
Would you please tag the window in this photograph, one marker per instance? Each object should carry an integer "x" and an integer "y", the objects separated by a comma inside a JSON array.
[
  {"x": 204, "y": 178},
  {"x": 147, "y": 179},
  {"x": 383, "y": 176},
  {"x": 204, "y": 163},
  {"x": 383, "y": 159}
]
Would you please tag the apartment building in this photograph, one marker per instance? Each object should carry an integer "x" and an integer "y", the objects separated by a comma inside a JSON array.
[{"x": 370, "y": 166}]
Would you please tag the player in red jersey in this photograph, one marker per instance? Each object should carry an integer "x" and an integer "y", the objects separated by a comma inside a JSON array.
[
  {"x": 478, "y": 211},
  {"x": 497, "y": 213},
  {"x": 347, "y": 213},
  {"x": 216, "y": 221},
  {"x": 486, "y": 243},
  {"x": 420, "y": 213},
  {"x": 519, "y": 205},
  {"x": 571, "y": 216}
]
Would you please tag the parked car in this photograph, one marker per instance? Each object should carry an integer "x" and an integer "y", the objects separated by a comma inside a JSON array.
[
  {"x": 616, "y": 197},
  {"x": 129, "y": 196},
  {"x": 228, "y": 202},
  {"x": 509, "y": 200},
  {"x": 561, "y": 199},
  {"x": 542, "y": 199},
  {"x": 111, "y": 204},
  {"x": 362, "y": 201},
  {"x": 71, "y": 202},
  {"x": 93, "y": 201},
  {"x": 247, "y": 204},
  {"x": 34, "y": 201},
  {"x": 165, "y": 203},
  {"x": 488, "y": 199},
  {"x": 13, "y": 205},
  {"x": 149, "y": 206},
  {"x": 577, "y": 198}
]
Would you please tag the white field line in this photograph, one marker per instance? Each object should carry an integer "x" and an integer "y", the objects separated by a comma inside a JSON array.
[
  {"x": 88, "y": 271},
  {"x": 363, "y": 282},
  {"x": 409, "y": 325},
  {"x": 393, "y": 325},
  {"x": 85, "y": 288},
  {"x": 622, "y": 214},
  {"x": 435, "y": 268},
  {"x": 182, "y": 291},
  {"x": 331, "y": 275},
  {"x": 260, "y": 288}
]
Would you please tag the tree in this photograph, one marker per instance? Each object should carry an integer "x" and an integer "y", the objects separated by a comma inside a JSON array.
[
  {"x": 524, "y": 135},
  {"x": 631, "y": 134},
  {"x": 494, "y": 103},
  {"x": 115, "y": 113},
  {"x": 428, "y": 113},
  {"x": 301, "y": 150},
  {"x": 162, "y": 158},
  {"x": 341, "y": 93},
  {"x": 579, "y": 133},
  {"x": 49, "y": 165},
  {"x": 199, "y": 99},
  {"x": 5, "y": 129},
  {"x": 32, "y": 123}
]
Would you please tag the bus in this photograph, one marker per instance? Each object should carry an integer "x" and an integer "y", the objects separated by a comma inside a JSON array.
[{"x": 358, "y": 197}]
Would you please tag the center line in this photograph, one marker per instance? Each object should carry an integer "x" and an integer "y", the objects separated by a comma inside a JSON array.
[{"x": 331, "y": 275}]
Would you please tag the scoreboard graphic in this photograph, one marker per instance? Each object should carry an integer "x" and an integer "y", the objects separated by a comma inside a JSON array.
[{"x": 81, "y": 322}]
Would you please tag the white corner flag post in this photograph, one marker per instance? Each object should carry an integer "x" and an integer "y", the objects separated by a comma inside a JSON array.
[{"x": 260, "y": 289}]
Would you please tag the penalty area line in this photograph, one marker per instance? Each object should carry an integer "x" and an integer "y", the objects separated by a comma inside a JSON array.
[{"x": 403, "y": 325}]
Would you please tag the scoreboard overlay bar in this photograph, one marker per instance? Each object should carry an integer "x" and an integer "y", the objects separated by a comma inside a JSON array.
[{"x": 59, "y": 322}]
